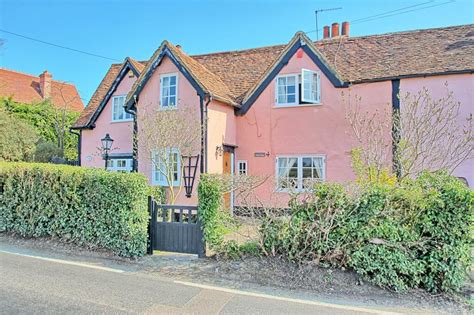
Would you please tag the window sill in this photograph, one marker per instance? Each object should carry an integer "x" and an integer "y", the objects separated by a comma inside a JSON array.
[
  {"x": 121, "y": 121},
  {"x": 297, "y": 106},
  {"x": 168, "y": 108}
]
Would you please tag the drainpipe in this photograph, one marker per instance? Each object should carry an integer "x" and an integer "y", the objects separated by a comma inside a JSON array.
[
  {"x": 79, "y": 140},
  {"x": 135, "y": 135},
  {"x": 204, "y": 117}
]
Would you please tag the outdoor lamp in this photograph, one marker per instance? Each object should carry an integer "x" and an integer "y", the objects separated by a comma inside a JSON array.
[
  {"x": 106, "y": 146},
  {"x": 189, "y": 172}
]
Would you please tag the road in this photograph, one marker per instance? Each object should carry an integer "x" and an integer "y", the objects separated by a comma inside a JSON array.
[{"x": 42, "y": 285}]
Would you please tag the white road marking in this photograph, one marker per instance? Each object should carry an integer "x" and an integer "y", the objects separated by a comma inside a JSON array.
[
  {"x": 279, "y": 298},
  {"x": 65, "y": 262}
]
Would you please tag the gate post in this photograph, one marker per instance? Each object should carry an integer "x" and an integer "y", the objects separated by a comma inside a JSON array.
[{"x": 151, "y": 225}]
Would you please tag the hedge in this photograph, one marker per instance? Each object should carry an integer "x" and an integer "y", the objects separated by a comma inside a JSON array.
[
  {"x": 88, "y": 207},
  {"x": 416, "y": 233}
]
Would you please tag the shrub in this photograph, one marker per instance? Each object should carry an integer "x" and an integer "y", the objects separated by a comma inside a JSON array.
[
  {"x": 210, "y": 202},
  {"x": 446, "y": 224},
  {"x": 46, "y": 151},
  {"x": 415, "y": 233},
  {"x": 17, "y": 138},
  {"x": 88, "y": 207}
]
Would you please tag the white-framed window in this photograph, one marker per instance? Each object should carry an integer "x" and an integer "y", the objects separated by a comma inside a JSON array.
[
  {"x": 298, "y": 89},
  {"x": 310, "y": 86},
  {"x": 118, "y": 111},
  {"x": 168, "y": 90},
  {"x": 242, "y": 167},
  {"x": 167, "y": 164},
  {"x": 295, "y": 172},
  {"x": 119, "y": 165},
  {"x": 287, "y": 89}
]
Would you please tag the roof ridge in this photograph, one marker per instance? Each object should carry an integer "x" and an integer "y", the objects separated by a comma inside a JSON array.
[
  {"x": 420, "y": 30},
  {"x": 330, "y": 40},
  {"x": 34, "y": 76}
]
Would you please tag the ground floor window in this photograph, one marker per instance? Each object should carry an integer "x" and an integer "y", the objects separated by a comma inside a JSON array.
[
  {"x": 166, "y": 167},
  {"x": 296, "y": 172},
  {"x": 119, "y": 165},
  {"x": 242, "y": 167}
]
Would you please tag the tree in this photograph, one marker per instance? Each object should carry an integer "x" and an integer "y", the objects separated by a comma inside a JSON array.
[
  {"x": 426, "y": 134},
  {"x": 17, "y": 138},
  {"x": 166, "y": 136},
  {"x": 51, "y": 123},
  {"x": 433, "y": 134}
]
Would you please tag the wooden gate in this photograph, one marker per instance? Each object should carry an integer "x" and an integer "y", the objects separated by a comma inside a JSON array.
[{"x": 175, "y": 228}]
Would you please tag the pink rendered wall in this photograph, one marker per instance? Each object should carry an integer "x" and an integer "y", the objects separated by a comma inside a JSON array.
[
  {"x": 314, "y": 129},
  {"x": 149, "y": 101},
  {"x": 221, "y": 130},
  {"x": 462, "y": 86},
  {"x": 121, "y": 132}
]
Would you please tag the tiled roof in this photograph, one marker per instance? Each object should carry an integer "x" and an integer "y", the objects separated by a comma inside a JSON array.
[
  {"x": 230, "y": 75},
  {"x": 102, "y": 90},
  {"x": 25, "y": 88}
]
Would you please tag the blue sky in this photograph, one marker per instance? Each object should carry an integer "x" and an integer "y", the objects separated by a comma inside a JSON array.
[{"x": 117, "y": 29}]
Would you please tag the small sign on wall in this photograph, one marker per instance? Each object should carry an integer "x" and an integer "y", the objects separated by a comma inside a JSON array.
[{"x": 261, "y": 154}]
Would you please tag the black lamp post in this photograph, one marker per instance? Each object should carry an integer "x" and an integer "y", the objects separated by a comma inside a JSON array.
[
  {"x": 189, "y": 172},
  {"x": 106, "y": 146}
]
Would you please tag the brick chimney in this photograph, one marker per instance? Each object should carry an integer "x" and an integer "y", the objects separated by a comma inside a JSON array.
[
  {"x": 326, "y": 32},
  {"x": 45, "y": 84},
  {"x": 345, "y": 29},
  {"x": 335, "y": 30}
]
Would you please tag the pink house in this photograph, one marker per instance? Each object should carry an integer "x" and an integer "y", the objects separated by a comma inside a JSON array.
[{"x": 276, "y": 111}]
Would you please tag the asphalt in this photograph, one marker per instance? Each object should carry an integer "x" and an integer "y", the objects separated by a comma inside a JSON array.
[{"x": 45, "y": 285}]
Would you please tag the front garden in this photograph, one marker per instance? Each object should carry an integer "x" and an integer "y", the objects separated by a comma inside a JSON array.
[{"x": 415, "y": 233}]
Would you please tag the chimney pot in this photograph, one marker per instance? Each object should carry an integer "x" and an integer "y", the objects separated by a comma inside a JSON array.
[
  {"x": 345, "y": 29},
  {"x": 326, "y": 32},
  {"x": 45, "y": 84},
  {"x": 178, "y": 46},
  {"x": 335, "y": 30}
]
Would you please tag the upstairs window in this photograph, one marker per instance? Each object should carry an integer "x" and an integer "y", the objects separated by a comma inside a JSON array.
[
  {"x": 169, "y": 90},
  {"x": 298, "y": 89},
  {"x": 287, "y": 90},
  {"x": 118, "y": 111}
]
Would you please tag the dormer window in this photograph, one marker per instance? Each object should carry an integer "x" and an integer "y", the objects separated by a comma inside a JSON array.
[
  {"x": 118, "y": 111},
  {"x": 168, "y": 90},
  {"x": 298, "y": 89}
]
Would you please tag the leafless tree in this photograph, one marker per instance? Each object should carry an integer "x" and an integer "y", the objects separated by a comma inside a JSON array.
[
  {"x": 428, "y": 133},
  {"x": 166, "y": 136},
  {"x": 433, "y": 133}
]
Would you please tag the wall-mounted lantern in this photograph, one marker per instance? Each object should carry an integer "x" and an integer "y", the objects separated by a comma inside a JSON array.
[{"x": 190, "y": 163}]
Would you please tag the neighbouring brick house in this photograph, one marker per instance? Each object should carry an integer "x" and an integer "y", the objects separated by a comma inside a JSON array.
[
  {"x": 277, "y": 110},
  {"x": 30, "y": 89}
]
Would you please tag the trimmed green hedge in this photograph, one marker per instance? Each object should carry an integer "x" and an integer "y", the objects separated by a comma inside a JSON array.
[{"x": 88, "y": 207}]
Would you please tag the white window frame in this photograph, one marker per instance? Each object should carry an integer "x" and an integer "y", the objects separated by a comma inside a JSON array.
[
  {"x": 242, "y": 162},
  {"x": 168, "y": 75},
  {"x": 114, "y": 109},
  {"x": 113, "y": 167},
  {"x": 161, "y": 180},
  {"x": 312, "y": 85},
  {"x": 297, "y": 96},
  {"x": 299, "y": 179}
]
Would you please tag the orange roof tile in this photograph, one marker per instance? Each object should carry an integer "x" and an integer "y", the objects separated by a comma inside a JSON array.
[{"x": 25, "y": 88}]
